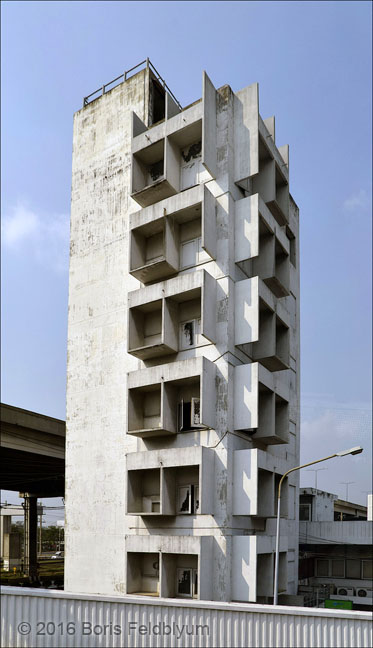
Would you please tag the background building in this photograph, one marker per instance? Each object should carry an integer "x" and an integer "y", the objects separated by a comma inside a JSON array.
[
  {"x": 335, "y": 542},
  {"x": 183, "y": 347}
]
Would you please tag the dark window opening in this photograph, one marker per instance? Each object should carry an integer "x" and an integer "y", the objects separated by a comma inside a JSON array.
[
  {"x": 305, "y": 512},
  {"x": 156, "y": 170},
  {"x": 157, "y": 102},
  {"x": 184, "y": 582},
  {"x": 189, "y": 415}
]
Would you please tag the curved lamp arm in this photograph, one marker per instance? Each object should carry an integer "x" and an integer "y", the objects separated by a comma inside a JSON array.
[{"x": 343, "y": 453}]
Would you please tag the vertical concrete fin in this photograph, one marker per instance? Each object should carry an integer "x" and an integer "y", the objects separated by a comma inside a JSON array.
[
  {"x": 208, "y": 393},
  {"x": 209, "y": 160},
  {"x": 209, "y": 223},
  {"x": 170, "y": 328},
  {"x": 246, "y": 307},
  {"x": 246, "y": 134},
  {"x": 270, "y": 125},
  {"x": 138, "y": 126},
  {"x": 265, "y": 182},
  {"x": 244, "y": 563},
  {"x": 168, "y": 408},
  {"x": 208, "y": 319},
  {"x": 245, "y": 482},
  {"x": 171, "y": 243},
  {"x": 284, "y": 152},
  {"x": 172, "y": 164},
  {"x": 246, "y": 396},
  {"x": 207, "y": 467},
  {"x": 246, "y": 228},
  {"x": 205, "y": 562},
  {"x": 172, "y": 108}
]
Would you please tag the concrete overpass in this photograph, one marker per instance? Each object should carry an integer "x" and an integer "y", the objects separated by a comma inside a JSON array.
[
  {"x": 32, "y": 453},
  {"x": 32, "y": 462}
]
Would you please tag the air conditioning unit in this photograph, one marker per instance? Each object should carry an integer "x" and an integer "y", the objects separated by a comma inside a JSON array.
[
  {"x": 362, "y": 592},
  {"x": 345, "y": 591}
]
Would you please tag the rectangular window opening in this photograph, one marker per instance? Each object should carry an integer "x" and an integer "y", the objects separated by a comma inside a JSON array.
[
  {"x": 189, "y": 414},
  {"x": 188, "y": 499}
]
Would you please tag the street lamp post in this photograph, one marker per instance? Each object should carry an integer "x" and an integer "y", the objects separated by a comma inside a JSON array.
[{"x": 343, "y": 453}]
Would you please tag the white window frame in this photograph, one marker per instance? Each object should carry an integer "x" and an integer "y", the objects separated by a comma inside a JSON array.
[
  {"x": 180, "y": 499},
  {"x": 196, "y": 499},
  {"x": 180, "y": 415},
  {"x": 195, "y": 589},
  {"x": 193, "y": 408},
  {"x": 183, "y": 346},
  {"x": 193, "y": 499}
]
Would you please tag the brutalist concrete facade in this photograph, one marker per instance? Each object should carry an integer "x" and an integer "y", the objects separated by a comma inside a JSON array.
[{"x": 183, "y": 347}]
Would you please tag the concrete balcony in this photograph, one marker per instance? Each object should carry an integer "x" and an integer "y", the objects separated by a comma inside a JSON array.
[
  {"x": 172, "y": 316},
  {"x": 273, "y": 347},
  {"x": 149, "y": 335},
  {"x": 152, "y": 176},
  {"x": 176, "y": 154},
  {"x": 259, "y": 239},
  {"x": 261, "y": 404},
  {"x": 263, "y": 323},
  {"x": 272, "y": 181},
  {"x": 175, "y": 233},
  {"x": 169, "y": 566},
  {"x": 173, "y": 398},
  {"x": 255, "y": 483},
  {"x": 167, "y": 482}
]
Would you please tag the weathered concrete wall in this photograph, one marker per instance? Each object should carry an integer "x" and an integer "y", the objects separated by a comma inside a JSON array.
[{"x": 96, "y": 442}]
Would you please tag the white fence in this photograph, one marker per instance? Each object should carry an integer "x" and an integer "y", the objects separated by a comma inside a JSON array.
[{"x": 44, "y": 618}]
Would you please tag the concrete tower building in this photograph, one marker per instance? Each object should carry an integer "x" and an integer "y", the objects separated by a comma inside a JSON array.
[{"x": 183, "y": 347}]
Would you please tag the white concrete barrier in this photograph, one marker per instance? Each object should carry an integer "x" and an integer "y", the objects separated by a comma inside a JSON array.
[{"x": 47, "y": 618}]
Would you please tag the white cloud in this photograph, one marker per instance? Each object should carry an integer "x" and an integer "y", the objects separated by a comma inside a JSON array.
[
  {"x": 44, "y": 238},
  {"x": 21, "y": 225},
  {"x": 356, "y": 201}
]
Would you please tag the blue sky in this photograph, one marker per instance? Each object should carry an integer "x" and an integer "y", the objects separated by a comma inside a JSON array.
[{"x": 313, "y": 64}]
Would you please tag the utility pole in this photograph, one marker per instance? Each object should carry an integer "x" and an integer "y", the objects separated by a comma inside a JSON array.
[
  {"x": 315, "y": 470},
  {"x": 40, "y": 531},
  {"x": 346, "y": 498},
  {"x": 347, "y": 485}
]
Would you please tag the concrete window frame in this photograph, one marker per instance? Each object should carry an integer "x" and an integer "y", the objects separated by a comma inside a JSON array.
[
  {"x": 261, "y": 404},
  {"x": 160, "y": 227},
  {"x": 262, "y": 247},
  {"x": 155, "y": 314},
  {"x": 168, "y": 474}
]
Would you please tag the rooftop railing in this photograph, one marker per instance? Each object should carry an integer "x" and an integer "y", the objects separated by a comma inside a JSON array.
[{"x": 123, "y": 77}]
